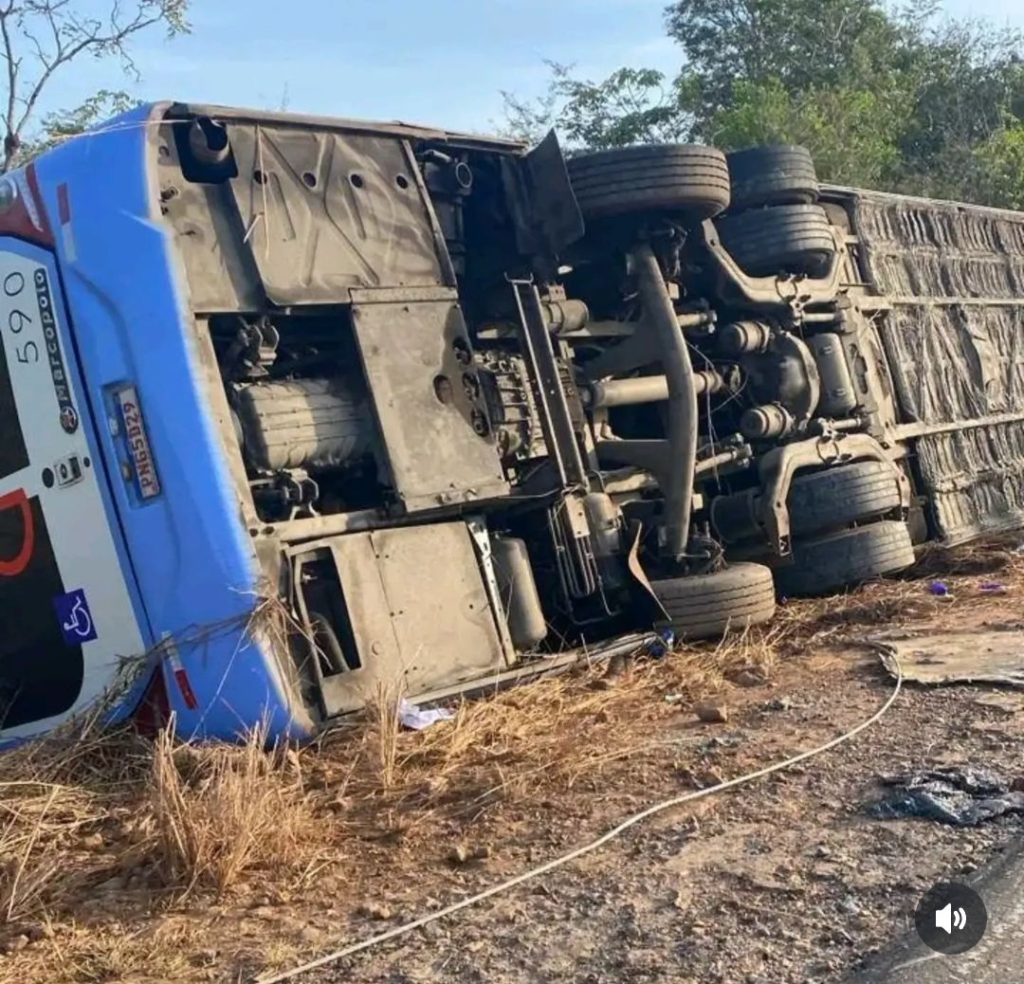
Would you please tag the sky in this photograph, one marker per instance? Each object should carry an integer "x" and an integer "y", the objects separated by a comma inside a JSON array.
[{"x": 443, "y": 62}]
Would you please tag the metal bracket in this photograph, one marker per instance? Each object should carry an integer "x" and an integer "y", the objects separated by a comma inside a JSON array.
[
  {"x": 778, "y": 466},
  {"x": 640, "y": 575},
  {"x": 556, "y": 419},
  {"x": 793, "y": 292},
  {"x": 477, "y": 526}
]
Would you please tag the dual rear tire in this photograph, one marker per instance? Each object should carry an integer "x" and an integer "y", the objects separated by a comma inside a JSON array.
[
  {"x": 774, "y": 225},
  {"x": 828, "y": 554},
  {"x": 783, "y": 239},
  {"x": 846, "y": 558}
]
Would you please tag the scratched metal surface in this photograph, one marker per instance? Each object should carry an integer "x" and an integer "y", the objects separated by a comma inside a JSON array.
[{"x": 955, "y": 341}]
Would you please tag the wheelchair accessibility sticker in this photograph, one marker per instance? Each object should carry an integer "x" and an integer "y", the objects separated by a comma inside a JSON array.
[{"x": 76, "y": 622}]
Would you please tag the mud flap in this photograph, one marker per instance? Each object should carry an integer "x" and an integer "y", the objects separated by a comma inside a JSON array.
[
  {"x": 658, "y": 615},
  {"x": 541, "y": 200}
]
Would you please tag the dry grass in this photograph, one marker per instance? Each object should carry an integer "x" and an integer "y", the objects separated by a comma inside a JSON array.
[
  {"x": 122, "y": 952},
  {"x": 104, "y": 837},
  {"x": 384, "y": 725},
  {"x": 217, "y": 813},
  {"x": 99, "y": 837},
  {"x": 31, "y": 860}
]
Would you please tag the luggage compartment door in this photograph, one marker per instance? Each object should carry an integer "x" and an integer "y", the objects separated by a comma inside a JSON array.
[{"x": 68, "y": 623}]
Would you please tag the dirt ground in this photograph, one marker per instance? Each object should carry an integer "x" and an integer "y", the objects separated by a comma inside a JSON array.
[{"x": 788, "y": 879}]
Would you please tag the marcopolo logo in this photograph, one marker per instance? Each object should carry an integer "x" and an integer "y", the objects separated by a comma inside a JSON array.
[{"x": 61, "y": 385}]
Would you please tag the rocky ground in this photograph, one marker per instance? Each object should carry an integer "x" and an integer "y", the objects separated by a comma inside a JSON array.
[{"x": 787, "y": 879}]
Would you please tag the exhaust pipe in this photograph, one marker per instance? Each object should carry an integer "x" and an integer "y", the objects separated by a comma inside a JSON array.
[{"x": 208, "y": 141}]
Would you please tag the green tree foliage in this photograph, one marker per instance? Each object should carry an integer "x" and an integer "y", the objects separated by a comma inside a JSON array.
[
  {"x": 1000, "y": 166},
  {"x": 885, "y": 96},
  {"x": 851, "y": 133},
  {"x": 56, "y": 127},
  {"x": 632, "y": 105},
  {"x": 39, "y": 39}
]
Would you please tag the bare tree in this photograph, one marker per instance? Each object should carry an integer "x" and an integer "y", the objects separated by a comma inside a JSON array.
[{"x": 38, "y": 38}]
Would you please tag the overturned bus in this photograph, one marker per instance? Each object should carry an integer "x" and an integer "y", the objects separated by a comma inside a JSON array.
[{"x": 291, "y": 407}]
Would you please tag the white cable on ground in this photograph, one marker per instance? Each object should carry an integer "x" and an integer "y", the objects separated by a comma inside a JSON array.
[{"x": 587, "y": 848}]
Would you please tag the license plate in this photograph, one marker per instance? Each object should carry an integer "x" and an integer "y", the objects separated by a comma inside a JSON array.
[{"x": 146, "y": 482}]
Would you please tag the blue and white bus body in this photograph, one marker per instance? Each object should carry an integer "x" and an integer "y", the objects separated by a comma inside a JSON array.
[{"x": 151, "y": 570}]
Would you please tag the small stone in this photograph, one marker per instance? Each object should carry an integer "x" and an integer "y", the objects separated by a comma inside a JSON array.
[
  {"x": 92, "y": 842},
  {"x": 375, "y": 910},
  {"x": 18, "y": 943},
  {"x": 431, "y": 930},
  {"x": 617, "y": 667},
  {"x": 463, "y": 854},
  {"x": 748, "y": 678},
  {"x": 779, "y": 704},
  {"x": 712, "y": 713}
]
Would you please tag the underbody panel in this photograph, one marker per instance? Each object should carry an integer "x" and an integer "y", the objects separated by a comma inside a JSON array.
[{"x": 413, "y": 410}]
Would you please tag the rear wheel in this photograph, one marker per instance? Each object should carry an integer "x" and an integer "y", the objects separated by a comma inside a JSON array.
[
  {"x": 829, "y": 563},
  {"x": 705, "y": 606},
  {"x": 684, "y": 178},
  {"x": 840, "y": 496},
  {"x": 795, "y": 239},
  {"x": 781, "y": 174}
]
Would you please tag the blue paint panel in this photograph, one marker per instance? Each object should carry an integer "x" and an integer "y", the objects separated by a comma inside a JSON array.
[{"x": 195, "y": 565}]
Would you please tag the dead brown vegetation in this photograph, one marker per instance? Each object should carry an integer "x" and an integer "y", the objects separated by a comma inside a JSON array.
[
  {"x": 216, "y": 814},
  {"x": 109, "y": 842}
]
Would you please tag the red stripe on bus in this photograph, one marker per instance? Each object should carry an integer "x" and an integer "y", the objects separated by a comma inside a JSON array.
[
  {"x": 19, "y": 221},
  {"x": 63, "y": 205},
  {"x": 18, "y": 500},
  {"x": 185, "y": 686}
]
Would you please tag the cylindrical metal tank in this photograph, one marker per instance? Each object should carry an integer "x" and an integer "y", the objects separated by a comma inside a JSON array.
[
  {"x": 518, "y": 590},
  {"x": 838, "y": 397},
  {"x": 303, "y": 423}
]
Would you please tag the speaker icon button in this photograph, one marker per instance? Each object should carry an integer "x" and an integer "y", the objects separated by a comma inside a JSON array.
[
  {"x": 951, "y": 918},
  {"x": 948, "y": 918}
]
